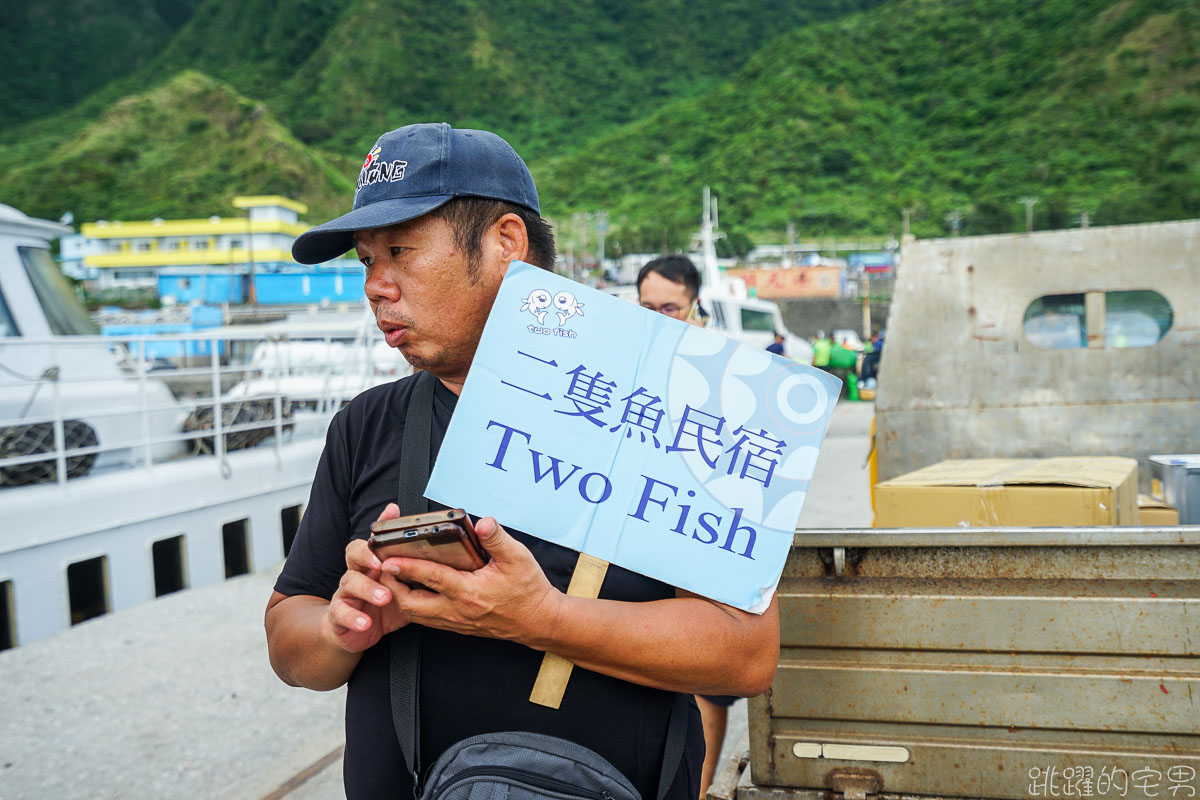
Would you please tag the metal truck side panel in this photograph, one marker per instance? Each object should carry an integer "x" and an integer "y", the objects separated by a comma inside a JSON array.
[{"x": 933, "y": 670}]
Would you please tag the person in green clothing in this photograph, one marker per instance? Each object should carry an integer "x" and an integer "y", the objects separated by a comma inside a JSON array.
[
  {"x": 842, "y": 363},
  {"x": 822, "y": 348},
  {"x": 841, "y": 357}
]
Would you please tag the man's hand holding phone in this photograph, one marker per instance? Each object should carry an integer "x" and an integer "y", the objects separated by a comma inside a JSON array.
[
  {"x": 361, "y": 611},
  {"x": 508, "y": 598},
  {"x": 446, "y": 537}
]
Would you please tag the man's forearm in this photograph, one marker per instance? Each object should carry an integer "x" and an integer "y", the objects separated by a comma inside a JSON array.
[
  {"x": 301, "y": 653},
  {"x": 684, "y": 644}
]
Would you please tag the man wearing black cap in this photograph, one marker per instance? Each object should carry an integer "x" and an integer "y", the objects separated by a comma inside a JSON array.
[{"x": 438, "y": 216}]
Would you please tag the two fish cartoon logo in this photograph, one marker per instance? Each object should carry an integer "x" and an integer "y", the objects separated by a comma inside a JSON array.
[{"x": 540, "y": 301}]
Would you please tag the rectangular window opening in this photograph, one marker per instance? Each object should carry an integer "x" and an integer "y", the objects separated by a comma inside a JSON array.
[
  {"x": 87, "y": 589},
  {"x": 8, "y": 626},
  {"x": 289, "y": 521},
  {"x": 169, "y": 572},
  {"x": 755, "y": 320},
  {"x": 236, "y": 536}
]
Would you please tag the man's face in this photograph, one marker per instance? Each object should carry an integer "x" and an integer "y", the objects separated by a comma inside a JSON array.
[
  {"x": 665, "y": 296},
  {"x": 423, "y": 298}
]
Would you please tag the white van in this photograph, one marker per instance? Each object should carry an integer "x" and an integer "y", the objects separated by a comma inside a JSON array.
[{"x": 753, "y": 321}]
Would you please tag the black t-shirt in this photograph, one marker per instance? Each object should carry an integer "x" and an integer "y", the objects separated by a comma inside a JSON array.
[{"x": 469, "y": 685}]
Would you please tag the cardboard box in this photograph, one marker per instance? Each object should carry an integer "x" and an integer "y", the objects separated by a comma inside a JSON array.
[
  {"x": 1018, "y": 492},
  {"x": 1153, "y": 511}
]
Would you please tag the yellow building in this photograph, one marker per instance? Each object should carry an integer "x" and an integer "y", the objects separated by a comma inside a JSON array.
[{"x": 134, "y": 254}]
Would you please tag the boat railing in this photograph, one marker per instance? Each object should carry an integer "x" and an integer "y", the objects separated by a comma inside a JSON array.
[{"x": 95, "y": 403}]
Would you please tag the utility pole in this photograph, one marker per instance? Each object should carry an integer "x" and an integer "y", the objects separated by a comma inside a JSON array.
[
  {"x": 251, "y": 290},
  {"x": 709, "y": 270},
  {"x": 1029, "y": 202},
  {"x": 791, "y": 237},
  {"x": 601, "y": 229},
  {"x": 865, "y": 291}
]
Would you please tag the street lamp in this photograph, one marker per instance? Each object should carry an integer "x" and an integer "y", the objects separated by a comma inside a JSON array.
[
  {"x": 955, "y": 218},
  {"x": 1029, "y": 202}
]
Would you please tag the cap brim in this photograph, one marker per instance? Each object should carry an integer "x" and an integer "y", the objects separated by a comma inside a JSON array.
[{"x": 335, "y": 237}]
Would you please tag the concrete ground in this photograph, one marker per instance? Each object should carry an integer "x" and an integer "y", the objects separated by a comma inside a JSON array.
[
  {"x": 173, "y": 698},
  {"x": 176, "y": 699}
]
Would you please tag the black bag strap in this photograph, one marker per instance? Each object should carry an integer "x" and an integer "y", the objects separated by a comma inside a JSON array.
[
  {"x": 673, "y": 749},
  {"x": 415, "y": 447},
  {"x": 405, "y": 676}
]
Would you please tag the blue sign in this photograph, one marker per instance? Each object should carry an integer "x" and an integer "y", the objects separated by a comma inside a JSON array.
[{"x": 644, "y": 441}]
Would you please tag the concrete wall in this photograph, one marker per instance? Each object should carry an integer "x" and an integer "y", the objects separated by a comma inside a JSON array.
[
  {"x": 960, "y": 378},
  {"x": 806, "y": 316}
]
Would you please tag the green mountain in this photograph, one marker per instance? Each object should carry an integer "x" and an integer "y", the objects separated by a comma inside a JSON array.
[
  {"x": 183, "y": 149},
  {"x": 54, "y": 52},
  {"x": 549, "y": 75},
  {"x": 835, "y": 115},
  {"x": 1089, "y": 105}
]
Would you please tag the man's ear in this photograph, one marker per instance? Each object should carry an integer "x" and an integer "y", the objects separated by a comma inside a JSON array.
[{"x": 512, "y": 239}]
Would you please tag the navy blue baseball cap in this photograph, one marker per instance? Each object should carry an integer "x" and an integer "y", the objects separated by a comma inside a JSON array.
[{"x": 415, "y": 169}]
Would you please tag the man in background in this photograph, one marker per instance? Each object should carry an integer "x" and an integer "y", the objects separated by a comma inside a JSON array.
[
  {"x": 822, "y": 348},
  {"x": 776, "y": 346},
  {"x": 671, "y": 285}
]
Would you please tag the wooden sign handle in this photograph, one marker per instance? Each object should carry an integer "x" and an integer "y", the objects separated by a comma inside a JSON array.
[{"x": 555, "y": 671}]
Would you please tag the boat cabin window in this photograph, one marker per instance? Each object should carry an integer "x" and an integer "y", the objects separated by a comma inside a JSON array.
[
  {"x": 8, "y": 636},
  {"x": 236, "y": 540},
  {"x": 65, "y": 315},
  {"x": 756, "y": 320},
  {"x": 1098, "y": 320},
  {"x": 87, "y": 588},
  {"x": 1136, "y": 319},
  {"x": 169, "y": 573},
  {"x": 8, "y": 326},
  {"x": 1056, "y": 322},
  {"x": 289, "y": 523}
]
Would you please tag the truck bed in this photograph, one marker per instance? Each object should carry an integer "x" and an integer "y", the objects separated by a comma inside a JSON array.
[{"x": 985, "y": 663}]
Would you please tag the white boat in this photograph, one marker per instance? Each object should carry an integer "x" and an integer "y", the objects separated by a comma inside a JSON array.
[{"x": 119, "y": 484}]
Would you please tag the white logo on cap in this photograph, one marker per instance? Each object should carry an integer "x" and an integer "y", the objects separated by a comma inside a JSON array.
[{"x": 375, "y": 171}]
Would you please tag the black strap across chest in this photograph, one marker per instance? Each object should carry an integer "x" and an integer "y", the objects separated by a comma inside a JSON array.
[{"x": 405, "y": 671}]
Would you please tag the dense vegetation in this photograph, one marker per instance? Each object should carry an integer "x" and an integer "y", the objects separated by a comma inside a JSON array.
[
  {"x": 549, "y": 75},
  {"x": 183, "y": 149},
  {"x": 834, "y": 115},
  {"x": 1088, "y": 105},
  {"x": 54, "y": 53}
]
